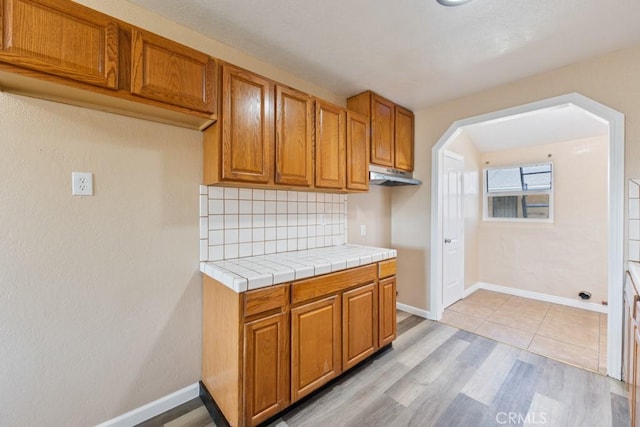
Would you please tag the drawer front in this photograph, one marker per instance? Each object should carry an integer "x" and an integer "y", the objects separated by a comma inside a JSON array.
[
  {"x": 386, "y": 268},
  {"x": 265, "y": 299},
  {"x": 331, "y": 283}
]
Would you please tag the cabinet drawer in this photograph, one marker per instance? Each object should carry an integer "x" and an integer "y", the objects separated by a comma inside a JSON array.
[
  {"x": 266, "y": 299},
  {"x": 60, "y": 38},
  {"x": 331, "y": 283},
  {"x": 386, "y": 268}
]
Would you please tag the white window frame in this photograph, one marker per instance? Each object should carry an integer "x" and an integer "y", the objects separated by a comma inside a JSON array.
[{"x": 486, "y": 194}]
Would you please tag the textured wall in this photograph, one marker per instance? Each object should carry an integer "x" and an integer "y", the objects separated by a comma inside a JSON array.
[
  {"x": 373, "y": 210},
  {"x": 100, "y": 306},
  {"x": 100, "y": 297},
  {"x": 609, "y": 79},
  {"x": 570, "y": 254}
]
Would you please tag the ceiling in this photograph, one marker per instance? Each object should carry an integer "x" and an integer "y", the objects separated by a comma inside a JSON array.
[
  {"x": 557, "y": 124},
  {"x": 414, "y": 52}
]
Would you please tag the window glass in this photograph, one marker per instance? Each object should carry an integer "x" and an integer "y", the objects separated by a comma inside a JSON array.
[
  {"x": 519, "y": 192},
  {"x": 519, "y": 178}
]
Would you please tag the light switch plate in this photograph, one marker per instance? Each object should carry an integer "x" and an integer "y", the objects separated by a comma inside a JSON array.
[{"x": 82, "y": 184}]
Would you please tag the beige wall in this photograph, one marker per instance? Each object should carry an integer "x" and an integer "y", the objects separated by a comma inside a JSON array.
[
  {"x": 465, "y": 147},
  {"x": 566, "y": 256},
  {"x": 373, "y": 210},
  {"x": 100, "y": 297},
  {"x": 609, "y": 79}
]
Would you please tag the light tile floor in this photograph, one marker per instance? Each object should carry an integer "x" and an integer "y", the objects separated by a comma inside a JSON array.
[{"x": 571, "y": 335}]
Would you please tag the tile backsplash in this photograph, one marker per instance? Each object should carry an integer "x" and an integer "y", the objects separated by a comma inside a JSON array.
[
  {"x": 634, "y": 220},
  {"x": 240, "y": 222}
]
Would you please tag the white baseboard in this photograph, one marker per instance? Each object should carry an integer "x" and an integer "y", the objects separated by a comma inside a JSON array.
[
  {"x": 537, "y": 296},
  {"x": 157, "y": 407},
  {"x": 471, "y": 289},
  {"x": 413, "y": 310}
]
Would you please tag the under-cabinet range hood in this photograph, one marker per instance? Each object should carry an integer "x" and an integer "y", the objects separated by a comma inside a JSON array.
[{"x": 390, "y": 177}]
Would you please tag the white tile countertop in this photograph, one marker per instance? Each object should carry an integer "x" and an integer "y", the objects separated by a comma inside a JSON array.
[{"x": 244, "y": 274}]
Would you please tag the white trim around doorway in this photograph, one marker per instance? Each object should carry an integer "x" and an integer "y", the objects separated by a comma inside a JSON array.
[{"x": 615, "y": 119}]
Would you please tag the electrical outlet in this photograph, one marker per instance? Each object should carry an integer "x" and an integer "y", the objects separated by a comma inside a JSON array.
[
  {"x": 363, "y": 229},
  {"x": 82, "y": 184}
]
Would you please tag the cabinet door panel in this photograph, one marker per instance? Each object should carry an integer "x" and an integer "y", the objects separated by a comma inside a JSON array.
[
  {"x": 359, "y": 324},
  {"x": 357, "y": 152},
  {"x": 315, "y": 345},
  {"x": 330, "y": 146},
  {"x": 382, "y": 131},
  {"x": 404, "y": 139},
  {"x": 266, "y": 367},
  {"x": 388, "y": 322},
  {"x": 169, "y": 72},
  {"x": 294, "y": 137},
  {"x": 60, "y": 38},
  {"x": 247, "y": 129}
]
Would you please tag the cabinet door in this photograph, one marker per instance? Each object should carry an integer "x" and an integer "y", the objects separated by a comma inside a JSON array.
[
  {"x": 357, "y": 152},
  {"x": 294, "y": 137},
  {"x": 60, "y": 38},
  {"x": 404, "y": 139},
  {"x": 359, "y": 324},
  {"x": 387, "y": 311},
  {"x": 330, "y": 146},
  {"x": 382, "y": 131},
  {"x": 315, "y": 345},
  {"x": 266, "y": 367},
  {"x": 170, "y": 72},
  {"x": 247, "y": 126}
]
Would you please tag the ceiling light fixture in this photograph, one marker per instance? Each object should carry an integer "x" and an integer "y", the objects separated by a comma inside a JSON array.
[{"x": 452, "y": 2}]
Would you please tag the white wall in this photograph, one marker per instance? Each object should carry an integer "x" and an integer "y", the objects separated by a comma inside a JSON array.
[{"x": 568, "y": 255}]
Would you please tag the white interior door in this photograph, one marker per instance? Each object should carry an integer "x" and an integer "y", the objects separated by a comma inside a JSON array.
[{"x": 453, "y": 229}]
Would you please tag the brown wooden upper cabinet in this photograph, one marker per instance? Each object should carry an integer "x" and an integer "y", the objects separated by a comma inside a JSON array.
[
  {"x": 357, "y": 152},
  {"x": 294, "y": 137},
  {"x": 61, "y": 38},
  {"x": 391, "y": 130},
  {"x": 239, "y": 146},
  {"x": 170, "y": 72},
  {"x": 330, "y": 146},
  {"x": 404, "y": 139}
]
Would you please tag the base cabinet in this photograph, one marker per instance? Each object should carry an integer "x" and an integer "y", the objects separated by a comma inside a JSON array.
[
  {"x": 267, "y": 348},
  {"x": 359, "y": 324},
  {"x": 266, "y": 367},
  {"x": 315, "y": 345},
  {"x": 388, "y": 323}
]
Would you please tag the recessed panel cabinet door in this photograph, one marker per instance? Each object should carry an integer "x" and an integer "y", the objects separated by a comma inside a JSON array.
[
  {"x": 294, "y": 137},
  {"x": 388, "y": 325},
  {"x": 357, "y": 151},
  {"x": 60, "y": 38},
  {"x": 330, "y": 146},
  {"x": 315, "y": 345},
  {"x": 266, "y": 367},
  {"x": 359, "y": 324},
  {"x": 404, "y": 139},
  {"x": 382, "y": 131},
  {"x": 247, "y": 128},
  {"x": 170, "y": 72}
]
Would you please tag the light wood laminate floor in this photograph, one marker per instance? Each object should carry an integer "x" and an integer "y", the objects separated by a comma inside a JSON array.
[
  {"x": 439, "y": 375},
  {"x": 572, "y": 335}
]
